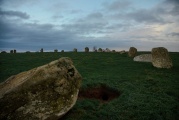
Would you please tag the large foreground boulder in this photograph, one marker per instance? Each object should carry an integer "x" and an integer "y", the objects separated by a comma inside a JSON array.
[
  {"x": 161, "y": 58},
  {"x": 43, "y": 93},
  {"x": 132, "y": 52},
  {"x": 143, "y": 58}
]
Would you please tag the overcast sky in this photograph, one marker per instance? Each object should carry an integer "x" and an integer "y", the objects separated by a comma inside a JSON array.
[{"x": 29, "y": 25}]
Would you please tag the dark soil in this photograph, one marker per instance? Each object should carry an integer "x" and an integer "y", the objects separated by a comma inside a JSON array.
[{"x": 102, "y": 93}]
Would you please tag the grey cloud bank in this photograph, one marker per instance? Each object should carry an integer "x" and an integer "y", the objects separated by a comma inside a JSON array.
[
  {"x": 115, "y": 25},
  {"x": 14, "y": 14}
]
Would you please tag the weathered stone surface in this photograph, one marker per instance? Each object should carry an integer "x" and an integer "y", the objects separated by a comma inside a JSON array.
[
  {"x": 122, "y": 52},
  {"x": 113, "y": 51},
  {"x": 55, "y": 50},
  {"x": 143, "y": 58},
  {"x": 107, "y": 50},
  {"x": 161, "y": 58},
  {"x": 86, "y": 49},
  {"x": 75, "y": 50},
  {"x": 132, "y": 52},
  {"x": 45, "y": 92}
]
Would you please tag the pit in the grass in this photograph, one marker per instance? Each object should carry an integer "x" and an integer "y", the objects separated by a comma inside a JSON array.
[{"x": 102, "y": 93}]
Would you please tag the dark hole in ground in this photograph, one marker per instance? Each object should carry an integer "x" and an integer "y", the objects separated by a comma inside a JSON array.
[{"x": 102, "y": 93}]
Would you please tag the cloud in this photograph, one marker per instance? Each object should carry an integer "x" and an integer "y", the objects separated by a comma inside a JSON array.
[
  {"x": 95, "y": 15},
  {"x": 172, "y": 1},
  {"x": 173, "y": 34},
  {"x": 14, "y": 14},
  {"x": 175, "y": 5},
  {"x": 165, "y": 12},
  {"x": 117, "y": 5},
  {"x": 57, "y": 6},
  {"x": 31, "y": 35},
  {"x": 26, "y": 35},
  {"x": 84, "y": 28},
  {"x": 91, "y": 24},
  {"x": 56, "y": 17},
  {"x": 18, "y": 3},
  {"x": 76, "y": 11},
  {"x": 118, "y": 25},
  {"x": 146, "y": 16}
]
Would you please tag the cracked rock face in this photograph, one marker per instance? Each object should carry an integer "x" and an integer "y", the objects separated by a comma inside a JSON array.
[{"x": 45, "y": 92}]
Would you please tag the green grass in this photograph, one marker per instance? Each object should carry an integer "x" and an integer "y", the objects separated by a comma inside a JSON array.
[{"x": 148, "y": 93}]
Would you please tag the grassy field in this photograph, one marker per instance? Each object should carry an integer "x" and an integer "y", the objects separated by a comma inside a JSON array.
[{"x": 147, "y": 93}]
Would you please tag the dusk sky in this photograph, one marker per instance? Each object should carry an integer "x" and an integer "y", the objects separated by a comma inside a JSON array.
[{"x": 29, "y": 25}]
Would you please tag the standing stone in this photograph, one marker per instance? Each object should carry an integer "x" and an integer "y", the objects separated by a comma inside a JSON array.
[
  {"x": 27, "y": 52},
  {"x": 55, "y": 50},
  {"x": 14, "y": 51},
  {"x": 43, "y": 93},
  {"x": 41, "y": 50},
  {"x": 11, "y": 51},
  {"x": 108, "y": 50},
  {"x": 113, "y": 51},
  {"x": 100, "y": 50},
  {"x": 161, "y": 58},
  {"x": 86, "y": 49},
  {"x": 74, "y": 50},
  {"x": 94, "y": 49},
  {"x": 132, "y": 52},
  {"x": 3, "y": 52},
  {"x": 143, "y": 58}
]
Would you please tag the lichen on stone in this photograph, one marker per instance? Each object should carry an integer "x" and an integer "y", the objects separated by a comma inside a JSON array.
[{"x": 49, "y": 91}]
